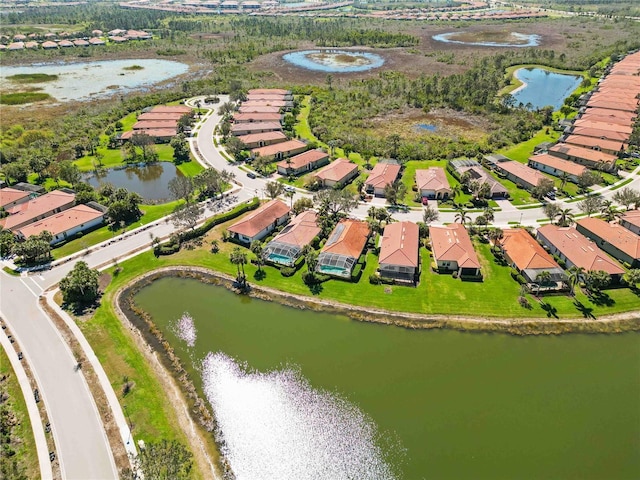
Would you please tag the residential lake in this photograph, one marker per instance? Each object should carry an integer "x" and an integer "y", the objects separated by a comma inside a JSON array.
[
  {"x": 86, "y": 80},
  {"x": 542, "y": 87},
  {"x": 300, "y": 394},
  {"x": 150, "y": 181}
]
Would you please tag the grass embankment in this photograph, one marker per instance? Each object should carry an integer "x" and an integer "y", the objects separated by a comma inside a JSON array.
[
  {"x": 21, "y": 98},
  {"x": 151, "y": 214},
  {"x": 22, "y": 441},
  {"x": 32, "y": 78}
]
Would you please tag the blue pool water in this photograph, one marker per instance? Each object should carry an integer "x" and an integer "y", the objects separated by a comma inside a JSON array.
[
  {"x": 332, "y": 61},
  {"x": 282, "y": 259},
  {"x": 544, "y": 88}
]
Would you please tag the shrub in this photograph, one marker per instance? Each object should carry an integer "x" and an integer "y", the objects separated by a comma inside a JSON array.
[
  {"x": 375, "y": 279},
  {"x": 288, "y": 271},
  {"x": 357, "y": 272},
  {"x": 455, "y": 274}
]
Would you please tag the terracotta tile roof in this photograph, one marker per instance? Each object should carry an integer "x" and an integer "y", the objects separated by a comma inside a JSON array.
[
  {"x": 260, "y": 219},
  {"x": 579, "y": 250},
  {"x": 383, "y": 174},
  {"x": 25, "y": 213},
  {"x": 584, "y": 153},
  {"x": 171, "y": 109},
  {"x": 614, "y": 234},
  {"x": 303, "y": 159},
  {"x": 255, "y": 126},
  {"x": 258, "y": 109},
  {"x": 595, "y": 115},
  {"x": 262, "y": 137},
  {"x": 433, "y": 178},
  {"x": 597, "y": 133},
  {"x": 160, "y": 116},
  {"x": 607, "y": 113},
  {"x": 603, "y": 126},
  {"x": 150, "y": 124},
  {"x": 349, "y": 238},
  {"x": 276, "y": 148},
  {"x": 336, "y": 170},
  {"x": 152, "y": 132},
  {"x": 452, "y": 243},
  {"x": 625, "y": 106},
  {"x": 61, "y": 222},
  {"x": 9, "y": 195},
  {"x": 559, "y": 164},
  {"x": 525, "y": 252},
  {"x": 521, "y": 171},
  {"x": 265, "y": 103},
  {"x": 633, "y": 217},
  {"x": 265, "y": 97},
  {"x": 400, "y": 244},
  {"x": 278, "y": 91},
  {"x": 257, "y": 117},
  {"x": 300, "y": 231},
  {"x": 591, "y": 142}
]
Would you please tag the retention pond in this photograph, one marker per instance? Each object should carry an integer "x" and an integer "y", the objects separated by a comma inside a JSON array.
[
  {"x": 542, "y": 87},
  {"x": 300, "y": 394}
]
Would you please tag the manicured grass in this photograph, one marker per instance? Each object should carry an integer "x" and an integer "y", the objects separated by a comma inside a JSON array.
[
  {"x": 409, "y": 178},
  {"x": 302, "y": 128},
  {"x": 622, "y": 184},
  {"x": 10, "y": 271},
  {"x": 25, "y": 445},
  {"x": 151, "y": 214},
  {"x": 522, "y": 151},
  {"x": 190, "y": 169},
  {"x": 518, "y": 196}
]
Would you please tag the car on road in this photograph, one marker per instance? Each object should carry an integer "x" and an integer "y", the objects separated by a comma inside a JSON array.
[
  {"x": 425, "y": 201},
  {"x": 289, "y": 188},
  {"x": 251, "y": 175}
]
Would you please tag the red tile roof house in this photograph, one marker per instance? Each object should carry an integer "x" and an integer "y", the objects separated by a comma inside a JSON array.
[
  {"x": 64, "y": 225},
  {"x": 631, "y": 221},
  {"x": 258, "y": 109},
  {"x": 381, "y": 175},
  {"x": 257, "y": 117},
  {"x": 286, "y": 247},
  {"x": 343, "y": 248},
  {"x": 399, "y": 257},
  {"x": 256, "y": 140},
  {"x": 520, "y": 174},
  {"x": 577, "y": 250},
  {"x": 278, "y": 151},
  {"x": 556, "y": 166},
  {"x": 37, "y": 209},
  {"x": 613, "y": 147},
  {"x": 453, "y": 251},
  {"x": 10, "y": 197},
  {"x": 261, "y": 222},
  {"x": 433, "y": 183},
  {"x": 478, "y": 173},
  {"x": 303, "y": 162},
  {"x": 239, "y": 129},
  {"x": 598, "y": 133},
  {"x": 617, "y": 241},
  {"x": 525, "y": 254},
  {"x": 278, "y": 91},
  {"x": 160, "y": 116},
  {"x": 337, "y": 173},
  {"x": 585, "y": 156}
]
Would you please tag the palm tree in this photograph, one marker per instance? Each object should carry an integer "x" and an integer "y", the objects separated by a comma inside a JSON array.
[
  {"x": 551, "y": 210},
  {"x": 239, "y": 259},
  {"x": 564, "y": 178},
  {"x": 461, "y": 215},
  {"x": 609, "y": 211},
  {"x": 455, "y": 191},
  {"x": 565, "y": 217},
  {"x": 290, "y": 195},
  {"x": 495, "y": 235},
  {"x": 488, "y": 214},
  {"x": 575, "y": 275},
  {"x": 257, "y": 249},
  {"x": 542, "y": 278}
]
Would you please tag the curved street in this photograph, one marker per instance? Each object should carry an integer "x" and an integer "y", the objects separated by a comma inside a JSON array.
[{"x": 81, "y": 444}]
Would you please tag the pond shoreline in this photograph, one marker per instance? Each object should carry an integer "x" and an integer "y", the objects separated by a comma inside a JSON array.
[{"x": 617, "y": 323}]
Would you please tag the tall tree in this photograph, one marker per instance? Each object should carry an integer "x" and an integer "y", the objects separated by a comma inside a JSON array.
[
  {"x": 430, "y": 215},
  {"x": 626, "y": 197},
  {"x": 576, "y": 274},
  {"x": 181, "y": 187},
  {"x": 565, "y": 217},
  {"x": 551, "y": 210},
  {"x": 239, "y": 258},
  {"x": 273, "y": 189},
  {"x": 461, "y": 215},
  {"x": 257, "y": 249},
  {"x": 590, "y": 204},
  {"x": 80, "y": 286},
  {"x": 187, "y": 215}
]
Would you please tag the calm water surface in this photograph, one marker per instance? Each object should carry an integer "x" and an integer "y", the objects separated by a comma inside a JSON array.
[
  {"x": 331, "y": 62},
  {"x": 544, "y": 88},
  {"x": 447, "y": 405},
  {"x": 85, "y": 80},
  {"x": 523, "y": 40},
  {"x": 150, "y": 181}
]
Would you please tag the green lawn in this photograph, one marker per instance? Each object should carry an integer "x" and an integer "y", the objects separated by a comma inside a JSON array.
[
  {"x": 151, "y": 214},
  {"x": 409, "y": 178},
  {"x": 518, "y": 196},
  {"x": 522, "y": 151},
  {"x": 191, "y": 168},
  {"x": 22, "y": 434}
]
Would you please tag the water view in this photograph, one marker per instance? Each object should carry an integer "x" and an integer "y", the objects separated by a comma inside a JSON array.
[
  {"x": 85, "y": 80},
  {"x": 542, "y": 87},
  {"x": 150, "y": 181},
  {"x": 334, "y": 61},
  {"x": 490, "y": 39},
  {"x": 409, "y": 404}
]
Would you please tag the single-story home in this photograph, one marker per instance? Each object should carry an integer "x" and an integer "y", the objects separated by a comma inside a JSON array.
[
  {"x": 598, "y": 133},
  {"x": 258, "y": 109},
  {"x": 286, "y": 247},
  {"x": 259, "y": 223},
  {"x": 433, "y": 183},
  {"x": 37, "y": 209},
  {"x": 278, "y": 91},
  {"x": 577, "y": 250},
  {"x": 399, "y": 257},
  {"x": 585, "y": 156},
  {"x": 343, "y": 248},
  {"x": 631, "y": 221},
  {"x": 239, "y": 129},
  {"x": 160, "y": 116},
  {"x": 10, "y": 197},
  {"x": 337, "y": 173},
  {"x": 382, "y": 174},
  {"x": 556, "y": 166},
  {"x": 64, "y": 225},
  {"x": 613, "y": 238},
  {"x": 159, "y": 135},
  {"x": 303, "y": 162},
  {"x": 256, "y": 140},
  {"x": 526, "y": 255},
  {"x": 520, "y": 174},
  {"x": 257, "y": 117},
  {"x": 453, "y": 251},
  {"x": 613, "y": 147},
  {"x": 280, "y": 104},
  {"x": 478, "y": 173},
  {"x": 278, "y": 151}
]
